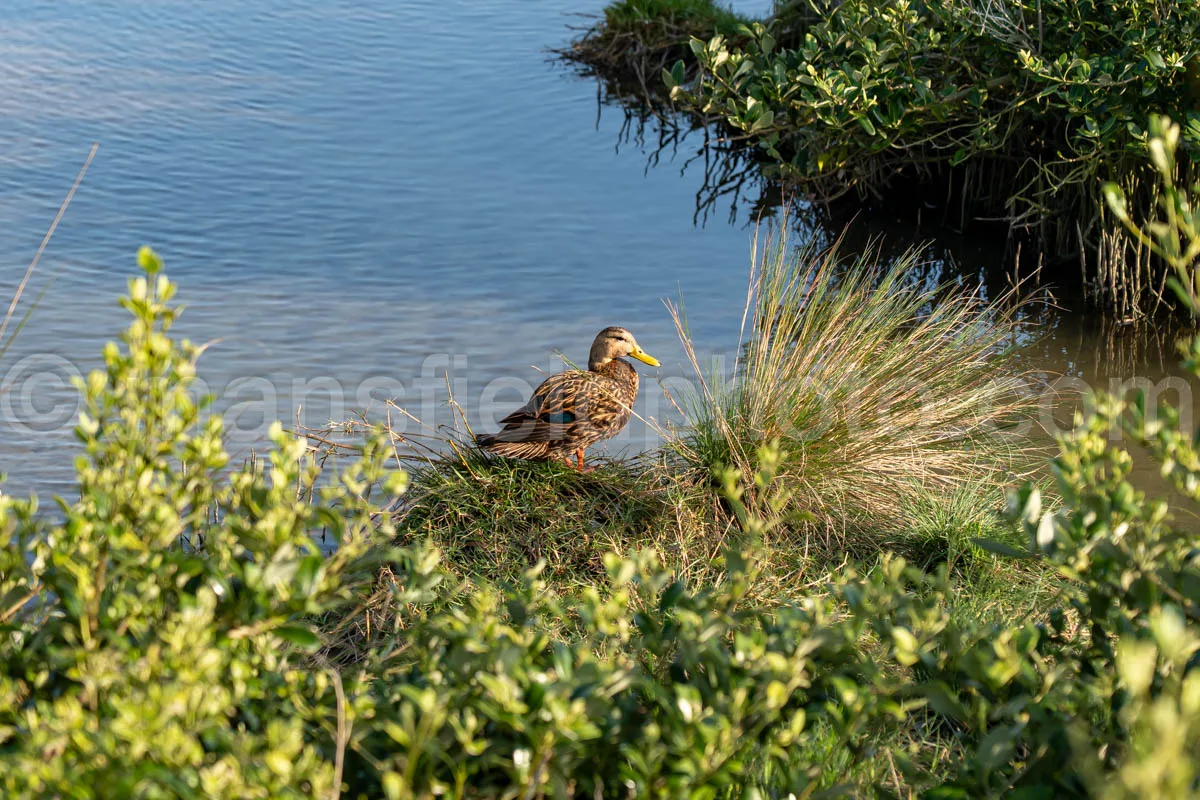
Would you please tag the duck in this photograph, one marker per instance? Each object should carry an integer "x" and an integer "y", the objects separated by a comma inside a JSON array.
[{"x": 572, "y": 410}]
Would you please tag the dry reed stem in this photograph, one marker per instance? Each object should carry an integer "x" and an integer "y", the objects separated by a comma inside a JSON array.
[{"x": 62, "y": 209}]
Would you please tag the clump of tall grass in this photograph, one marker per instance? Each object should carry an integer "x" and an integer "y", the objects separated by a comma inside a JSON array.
[{"x": 877, "y": 389}]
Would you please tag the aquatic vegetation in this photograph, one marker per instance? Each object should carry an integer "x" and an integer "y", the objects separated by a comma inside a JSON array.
[
  {"x": 1013, "y": 112},
  {"x": 642, "y": 37}
]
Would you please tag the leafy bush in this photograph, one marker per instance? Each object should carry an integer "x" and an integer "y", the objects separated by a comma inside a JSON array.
[
  {"x": 949, "y": 79},
  {"x": 153, "y": 637},
  {"x": 638, "y": 37},
  {"x": 1132, "y": 589},
  {"x": 1013, "y": 110},
  {"x": 1103, "y": 698}
]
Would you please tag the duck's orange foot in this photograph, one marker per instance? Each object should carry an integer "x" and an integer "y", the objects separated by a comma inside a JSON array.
[{"x": 578, "y": 463}]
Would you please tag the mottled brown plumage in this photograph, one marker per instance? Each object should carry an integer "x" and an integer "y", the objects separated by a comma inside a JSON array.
[{"x": 573, "y": 410}]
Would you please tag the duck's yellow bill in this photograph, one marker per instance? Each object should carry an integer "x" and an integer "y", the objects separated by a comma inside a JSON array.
[{"x": 645, "y": 358}]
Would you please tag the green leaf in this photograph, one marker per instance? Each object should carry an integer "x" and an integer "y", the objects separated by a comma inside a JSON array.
[
  {"x": 671, "y": 595},
  {"x": 299, "y": 635},
  {"x": 1136, "y": 662},
  {"x": 996, "y": 749},
  {"x": 765, "y": 120},
  {"x": 308, "y": 575},
  {"x": 943, "y": 701},
  {"x": 149, "y": 261},
  {"x": 999, "y": 548},
  {"x": 905, "y": 646},
  {"x": 1045, "y": 532},
  {"x": 678, "y": 73},
  {"x": 393, "y": 785},
  {"x": 1114, "y": 198}
]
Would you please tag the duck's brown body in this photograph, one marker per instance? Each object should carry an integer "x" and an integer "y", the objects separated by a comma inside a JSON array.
[{"x": 573, "y": 410}]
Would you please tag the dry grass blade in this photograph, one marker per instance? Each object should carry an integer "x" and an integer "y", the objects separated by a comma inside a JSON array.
[
  {"x": 62, "y": 209},
  {"x": 876, "y": 388}
]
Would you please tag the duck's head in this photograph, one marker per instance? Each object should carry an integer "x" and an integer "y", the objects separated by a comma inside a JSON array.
[{"x": 617, "y": 342}]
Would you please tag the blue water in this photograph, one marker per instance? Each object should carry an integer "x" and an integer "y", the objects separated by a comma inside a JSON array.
[
  {"x": 361, "y": 202},
  {"x": 354, "y": 197}
]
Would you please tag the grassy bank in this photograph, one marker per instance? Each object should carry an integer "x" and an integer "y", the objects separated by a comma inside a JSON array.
[
  {"x": 888, "y": 410},
  {"x": 1013, "y": 112}
]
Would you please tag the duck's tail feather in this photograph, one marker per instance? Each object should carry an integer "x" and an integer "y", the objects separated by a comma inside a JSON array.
[{"x": 533, "y": 451}]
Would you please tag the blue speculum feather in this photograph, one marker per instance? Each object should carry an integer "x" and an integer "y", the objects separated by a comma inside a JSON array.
[{"x": 560, "y": 417}]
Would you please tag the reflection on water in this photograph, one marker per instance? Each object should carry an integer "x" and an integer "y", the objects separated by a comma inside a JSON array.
[
  {"x": 371, "y": 201},
  {"x": 1079, "y": 354}
]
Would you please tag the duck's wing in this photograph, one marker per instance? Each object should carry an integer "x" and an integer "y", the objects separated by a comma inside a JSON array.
[{"x": 552, "y": 413}]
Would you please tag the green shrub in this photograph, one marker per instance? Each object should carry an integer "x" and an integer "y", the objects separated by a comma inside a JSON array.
[
  {"x": 1133, "y": 572},
  {"x": 154, "y": 636},
  {"x": 1102, "y": 698},
  {"x": 1013, "y": 111},
  {"x": 662, "y": 691}
]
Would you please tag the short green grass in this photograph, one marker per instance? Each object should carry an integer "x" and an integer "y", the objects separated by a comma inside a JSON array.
[{"x": 497, "y": 518}]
